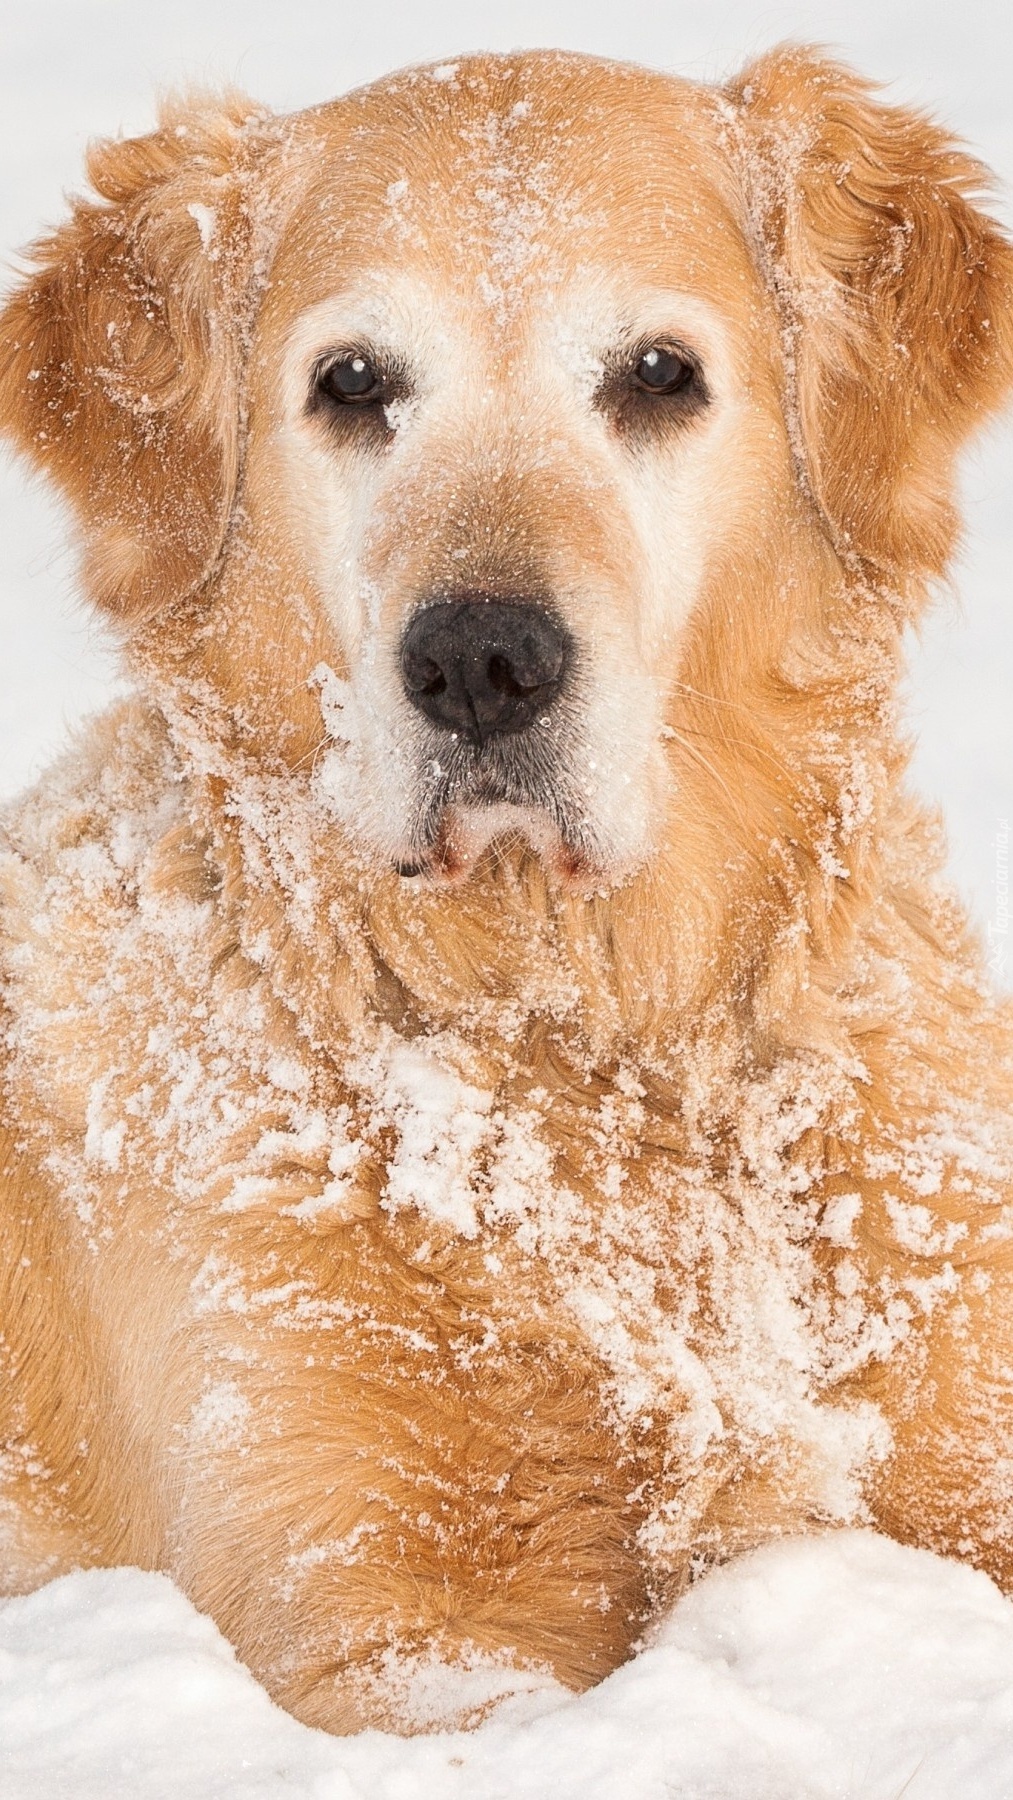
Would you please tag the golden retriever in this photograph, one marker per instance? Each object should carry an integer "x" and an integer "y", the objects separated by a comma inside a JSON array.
[{"x": 499, "y": 1110}]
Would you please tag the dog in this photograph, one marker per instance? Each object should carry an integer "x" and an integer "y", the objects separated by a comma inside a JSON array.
[{"x": 500, "y": 1108}]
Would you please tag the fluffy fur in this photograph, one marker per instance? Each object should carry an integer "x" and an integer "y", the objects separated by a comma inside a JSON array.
[{"x": 434, "y": 1272}]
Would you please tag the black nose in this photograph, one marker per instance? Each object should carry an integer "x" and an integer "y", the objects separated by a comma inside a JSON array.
[{"x": 478, "y": 667}]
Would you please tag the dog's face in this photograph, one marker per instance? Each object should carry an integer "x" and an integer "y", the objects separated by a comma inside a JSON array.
[
  {"x": 514, "y": 403},
  {"x": 459, "y": 435}
]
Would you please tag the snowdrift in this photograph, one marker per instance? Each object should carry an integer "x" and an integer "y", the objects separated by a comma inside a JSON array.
[{"x": 842, "y": 1666}]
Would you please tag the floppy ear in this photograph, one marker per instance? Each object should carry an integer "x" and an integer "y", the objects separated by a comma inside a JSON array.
[
  {"x": 897, "y": 298},
  {"x": 120, "y": 351}
]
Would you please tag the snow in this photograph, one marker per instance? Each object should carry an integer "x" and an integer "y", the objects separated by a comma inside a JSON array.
[
  {"x": 206, "y": 222},
  {"x": 810, "y": 1670},
  {"x": 840, "y": 1666}
]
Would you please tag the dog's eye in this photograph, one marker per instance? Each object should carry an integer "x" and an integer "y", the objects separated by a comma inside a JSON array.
[
  {"x": 350, "y": 381},
  {"x": 662, "y": 371},
  {"x": 652, "y": 391},
  {"x": 350, "y": 392}
]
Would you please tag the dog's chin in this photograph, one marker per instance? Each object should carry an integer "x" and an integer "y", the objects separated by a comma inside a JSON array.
[{"x": 466, "y": 831}]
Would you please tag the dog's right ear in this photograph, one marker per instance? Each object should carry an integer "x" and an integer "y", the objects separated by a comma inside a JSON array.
[{"x": 120, "y": 351}]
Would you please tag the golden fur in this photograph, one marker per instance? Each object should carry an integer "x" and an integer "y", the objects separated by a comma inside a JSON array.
[{"x": 438, "y": 1270}]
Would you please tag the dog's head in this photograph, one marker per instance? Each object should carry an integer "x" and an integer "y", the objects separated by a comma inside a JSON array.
[{"x": 505, "y": 439}]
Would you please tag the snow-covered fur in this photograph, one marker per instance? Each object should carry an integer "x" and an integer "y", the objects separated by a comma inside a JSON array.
[{"x": 432, "y": 1270}]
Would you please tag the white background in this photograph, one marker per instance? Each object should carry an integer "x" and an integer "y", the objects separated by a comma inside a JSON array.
[{"x": 70, "y": 69}]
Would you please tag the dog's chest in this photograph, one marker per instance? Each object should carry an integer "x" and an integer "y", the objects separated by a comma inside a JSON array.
[{"x": 380, "y": 1252}]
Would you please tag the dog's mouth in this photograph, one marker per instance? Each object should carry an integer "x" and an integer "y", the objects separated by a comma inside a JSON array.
[
  {"x": 466, "y": 832},
  {"x": 507, "y": 787}
]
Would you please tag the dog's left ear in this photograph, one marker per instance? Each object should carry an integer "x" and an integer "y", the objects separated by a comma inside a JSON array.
[
  {"x": 120, "y": 351},
  {"x": 896, "y": 291}
]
